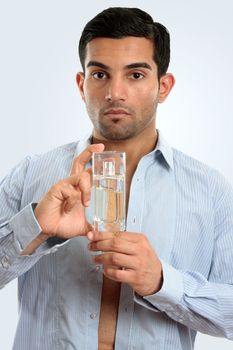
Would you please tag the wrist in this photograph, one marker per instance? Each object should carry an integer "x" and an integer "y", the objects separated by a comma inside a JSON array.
[
  {"x": 33, "y": 245},
  {"x": 155, "y": 288}
]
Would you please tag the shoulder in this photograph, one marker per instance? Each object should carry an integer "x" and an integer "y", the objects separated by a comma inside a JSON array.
[
  {"x": 186, "y": 162},
  {"x": 56, "y": 154},
  {"x": 193, "y": 167},
  {"x": 200, "y": 175},
  {"x": 54, "y": 164}
]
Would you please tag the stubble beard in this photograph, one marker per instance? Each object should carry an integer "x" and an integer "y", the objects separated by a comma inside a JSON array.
[{"x": 117, "y": 130}]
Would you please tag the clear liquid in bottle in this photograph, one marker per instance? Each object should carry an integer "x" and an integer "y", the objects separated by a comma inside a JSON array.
[{"x": 109, "y": 202}]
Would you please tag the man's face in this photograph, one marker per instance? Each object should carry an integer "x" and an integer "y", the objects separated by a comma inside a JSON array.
[{"x": 120, "y": 86}]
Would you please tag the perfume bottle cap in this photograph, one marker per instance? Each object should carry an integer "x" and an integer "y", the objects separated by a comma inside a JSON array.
[{"x": 109, "y": 167}]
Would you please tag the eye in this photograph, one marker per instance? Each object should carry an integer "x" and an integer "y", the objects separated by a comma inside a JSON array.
[
  {"x": 99, "y": 75},
  {"x": 137, "y": 75}
]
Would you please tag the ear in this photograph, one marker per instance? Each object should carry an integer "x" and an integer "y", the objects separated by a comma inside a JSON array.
[
  {"x": 80, "y": 82},
  {"x": 167, "y": 82}
]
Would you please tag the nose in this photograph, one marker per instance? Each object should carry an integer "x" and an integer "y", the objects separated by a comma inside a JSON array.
[{"x": 116, "y": 90}]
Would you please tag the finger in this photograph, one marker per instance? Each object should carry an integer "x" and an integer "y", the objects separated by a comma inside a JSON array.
[
  {"x": 81, "y": 183},
  {"x": 84, "y": 157},
  {"x": 120, "y": 275},
  {"x": 89, "y": 171},
  {"x": 127, "y": 236},
  {"x": 116, "y": 260},
  {"x": 115, "y": 244},
  {"x": 70, "y": 196},
  {"x": 84, "y": 186},
  {"x": 97, "y": 236}
]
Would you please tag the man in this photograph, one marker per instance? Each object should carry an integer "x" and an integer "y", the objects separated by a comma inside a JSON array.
[{"x": 177, "y": 250}]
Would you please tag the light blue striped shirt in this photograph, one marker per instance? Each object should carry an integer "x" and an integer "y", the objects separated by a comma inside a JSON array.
[{"x": 186, "y": 210}]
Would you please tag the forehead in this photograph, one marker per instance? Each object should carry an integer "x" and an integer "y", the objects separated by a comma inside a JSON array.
[{"x": 120, "y": 51}]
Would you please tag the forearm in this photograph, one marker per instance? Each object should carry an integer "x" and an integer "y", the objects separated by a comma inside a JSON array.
[
  {"x": 190, "y": 299},
  {"x": 22, "y": 244}
]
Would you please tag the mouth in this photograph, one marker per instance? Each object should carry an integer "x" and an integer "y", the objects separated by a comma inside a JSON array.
[{"x": 116, "y": 113}]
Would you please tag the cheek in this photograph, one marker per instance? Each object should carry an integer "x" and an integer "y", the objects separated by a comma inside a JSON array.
[
  {"x": 93, "y": 104},
  {"x": 92, "y": 95},
  {"x": 147, "y": 97},
  {"x": 148, "y": 92}
]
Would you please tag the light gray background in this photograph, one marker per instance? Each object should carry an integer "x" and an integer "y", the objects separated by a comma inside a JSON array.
[{"x": 40, "y": 107}]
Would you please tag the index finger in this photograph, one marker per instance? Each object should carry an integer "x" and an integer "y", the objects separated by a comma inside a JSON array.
[
  {"x": 83, "y": 158},
  {"x": 102, "y": 236}
]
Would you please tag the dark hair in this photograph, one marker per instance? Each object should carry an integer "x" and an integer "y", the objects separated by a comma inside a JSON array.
[{"x": 120, "y": 22}]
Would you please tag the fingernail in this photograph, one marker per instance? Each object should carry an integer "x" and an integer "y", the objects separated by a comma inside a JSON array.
[
  {"x": 90, "y": 236},
  {"x": 87, "y": 203}
]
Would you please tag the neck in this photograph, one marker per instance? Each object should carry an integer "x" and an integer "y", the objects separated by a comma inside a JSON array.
[{"x": 135, "y": 148}]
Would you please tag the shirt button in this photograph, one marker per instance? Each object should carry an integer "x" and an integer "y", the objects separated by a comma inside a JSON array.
[
  {"x": 93, "y": 315},
  {"x": 134, "y": 220}
]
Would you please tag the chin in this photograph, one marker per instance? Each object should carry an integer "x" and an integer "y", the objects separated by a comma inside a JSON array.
[
  {"x": 117, "y": 136},
  {"x": 117, "y": 132}
]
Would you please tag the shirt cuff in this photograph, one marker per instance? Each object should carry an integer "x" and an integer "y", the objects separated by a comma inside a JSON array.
[
  {"x": 169, "y": 295},
  {"x": 24, "y": 226}
]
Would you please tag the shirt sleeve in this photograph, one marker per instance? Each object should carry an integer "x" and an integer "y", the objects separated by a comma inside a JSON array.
[
  {"x": 200, "y": 303},
  {"x": 18, "y": 227}
]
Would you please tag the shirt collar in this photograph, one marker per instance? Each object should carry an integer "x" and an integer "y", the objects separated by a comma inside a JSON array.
[
  {"x": 82, "y": 144},
  {"x": 162, "y": 148}
]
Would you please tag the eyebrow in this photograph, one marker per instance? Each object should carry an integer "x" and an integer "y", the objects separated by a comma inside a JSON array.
[
  {"x": 128, "y": 66},
  {"x": 139, "y": 65},
  {"x": 97, "y": 64}
]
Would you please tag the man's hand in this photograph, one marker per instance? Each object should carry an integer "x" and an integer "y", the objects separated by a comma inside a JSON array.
[
  {"x": 129, "y": 258},
  {"x": 61, "y": 211}
]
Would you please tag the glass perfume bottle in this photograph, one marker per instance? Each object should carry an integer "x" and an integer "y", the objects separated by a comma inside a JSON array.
[{"x": 109, "y": 191}]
